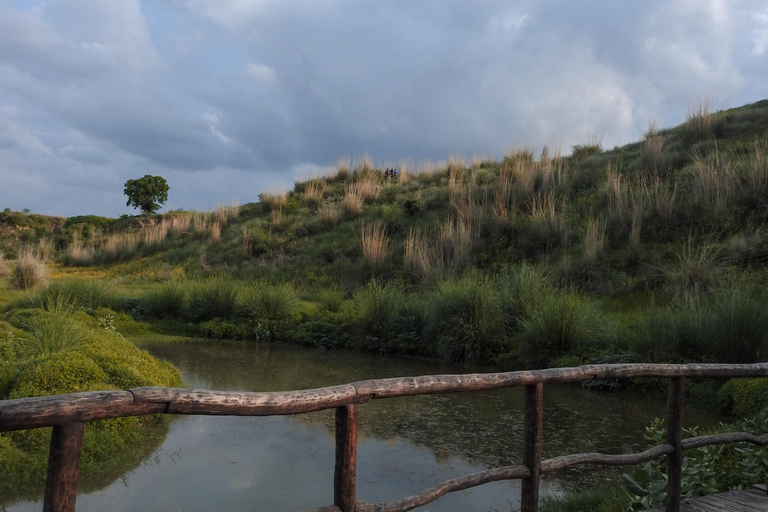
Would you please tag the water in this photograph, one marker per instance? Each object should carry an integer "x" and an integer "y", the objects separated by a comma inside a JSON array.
[{"x": 285, "y": 463}]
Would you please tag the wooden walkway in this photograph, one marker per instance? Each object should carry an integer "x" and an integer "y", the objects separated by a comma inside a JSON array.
[{"x": 751, "y": 500}]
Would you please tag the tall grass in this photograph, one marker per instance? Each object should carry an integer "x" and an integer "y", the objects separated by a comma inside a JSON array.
[
  {"x": 367, "y": 188},
  {"x": 468, "y": 207},
  {"x": 343, "y": 168},
  {"x": 50, "y": 331},
  {"x": 313, "y": 193},
  {"x": 353, "y": 201},
  {"x": 273, "y": 303},
  {"x": 215, "y": 232},
  {"x": 85, "y": 294},
  {"x": 465, "y": 320},
  {"x": 374, "y": 243},
  {"x": 5, "y": 270},
  {"x": 45, "y": 249},
  {"x": 547, "y": 223},
  {"x": 701, "y": 121},
  {"x": 330, "y": 213},
  {"x": 364, "y": 164},
  {"x": 715, "y": 181},
  {"x": 225, "y": 213},
  {"x": 556, "y": 325},
  {"x": 594, "y": 240},
  {"x": 636, "y": 228},
  {"x": 29, "y": 272},
  {"x": 652, "y": 150},
  {"x": 213, "y": 298},
  {"x": 379, "y": 307},
  {"x": 698, "y": 268},
  {"x": 503, "y": 201},
  {"x": 454, "y": 244},
  {"x": 273, "y": 200},
  {"x": 661, "y": 197},
  {"x": 755, "y": 174},
  {"x": 155, "y": 234},
  {"x": 416, "y": 258},
  {"x": 78, "y": 252},
  {"x": 169, "y": 300},
  {"x": 737, "y": 330},
  {"x": 617, "y": 192},
  {"x": 119, "y": 243}
]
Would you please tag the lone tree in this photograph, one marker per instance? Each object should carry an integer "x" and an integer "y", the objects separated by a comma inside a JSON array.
[{"x": 146, "y": 193}]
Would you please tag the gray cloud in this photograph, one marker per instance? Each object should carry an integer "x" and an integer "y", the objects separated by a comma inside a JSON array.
[{"x": 226, "y": 98}]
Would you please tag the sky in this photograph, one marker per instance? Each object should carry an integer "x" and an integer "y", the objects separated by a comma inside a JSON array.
[{"x": 226, "y": 99}]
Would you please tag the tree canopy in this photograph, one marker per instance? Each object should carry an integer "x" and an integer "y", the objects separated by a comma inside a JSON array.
[{"x": 147, "y": 193}]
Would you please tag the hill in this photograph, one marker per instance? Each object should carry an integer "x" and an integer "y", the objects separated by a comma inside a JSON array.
[{"x": 653, "y": 251}]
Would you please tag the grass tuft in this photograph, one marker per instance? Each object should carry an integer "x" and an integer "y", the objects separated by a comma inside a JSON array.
[
  {"x": 53, "y": 330},
  {"x": 374, "y": 243},
  {"x": 29, "y": 272}
]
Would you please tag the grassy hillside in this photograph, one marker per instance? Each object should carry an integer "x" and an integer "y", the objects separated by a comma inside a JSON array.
[{"x": 655, "y": 251}]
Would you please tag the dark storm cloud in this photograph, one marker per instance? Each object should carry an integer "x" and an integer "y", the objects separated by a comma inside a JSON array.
[{"x": 226, "y": 98}]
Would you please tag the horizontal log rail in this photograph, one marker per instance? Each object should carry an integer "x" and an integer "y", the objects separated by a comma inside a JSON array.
[{"x": 68, "y": 413}]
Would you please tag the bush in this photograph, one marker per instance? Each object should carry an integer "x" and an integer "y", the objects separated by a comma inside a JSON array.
[
  {"x": 385, "y": 319},
  {"x": 274, "y": 303},
  {"x": 559, "y": 324},
  {"x": 85, "y": 294},
  {"x": 215, "y": 298},
  {"x": 100, "y": 361},
  {"x": 744, "y": 397},
  {"x": 465, "y": 320},
  {"x": 29, "y": 272},
  {"x": 167, "y": 301},
  {"x": 737, "y": 325}
]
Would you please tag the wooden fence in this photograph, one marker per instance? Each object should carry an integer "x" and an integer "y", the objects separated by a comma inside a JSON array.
[{"x": 67, "y": 414}]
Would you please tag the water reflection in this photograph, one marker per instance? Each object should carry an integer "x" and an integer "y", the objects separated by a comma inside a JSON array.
[{"x": 405, "y": 445}]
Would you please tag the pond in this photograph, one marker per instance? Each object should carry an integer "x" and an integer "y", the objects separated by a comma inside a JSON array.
[{"x": 285, "y": 463}]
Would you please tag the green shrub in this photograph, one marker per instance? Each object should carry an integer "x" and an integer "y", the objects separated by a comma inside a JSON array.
[
  {"x": 100, "y": 361},
  {"x": 86, "y": 294},
  {"x": 744, "y": 397},
  {"x": 465, "y": 320},
  {"x": 737, "y": 325},
  {"x": 167, "y": 301},
  {"x": 386, "y": 320},
  {"x": 222, "y": 329},
  {"x": 215, "y": 298},
  {"x": 556, "y": 325},
  {"x": 705, "y": 470},
  {"x": 274, "y": 303}
]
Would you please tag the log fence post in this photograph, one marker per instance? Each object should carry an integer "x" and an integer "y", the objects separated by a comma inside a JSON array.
[
  {"x": 63, "y": 467},
  {"x": 345, "y": 471},
  {"x": 674, "y": 438},
  {"x": 529, "y": 494}
]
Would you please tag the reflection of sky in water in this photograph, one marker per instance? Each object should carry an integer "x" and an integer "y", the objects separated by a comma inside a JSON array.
[{"x": 405, "y": 444}]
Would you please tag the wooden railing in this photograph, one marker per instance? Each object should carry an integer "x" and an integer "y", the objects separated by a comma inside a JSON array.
[{"x": 67, "y": 414}]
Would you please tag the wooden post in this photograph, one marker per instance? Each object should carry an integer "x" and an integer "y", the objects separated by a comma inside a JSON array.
[
  {"x": 63, "y": 467},
  {"x": 529, "y": 496},
  {"x": 345, "y": 472},
  {"x": 674, "y": 438}
]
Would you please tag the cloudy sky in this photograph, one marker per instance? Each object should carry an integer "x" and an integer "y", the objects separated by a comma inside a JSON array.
[{"x": 229, "y": 98}]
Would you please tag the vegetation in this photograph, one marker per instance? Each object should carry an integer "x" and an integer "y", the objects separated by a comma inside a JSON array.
[
  {"x": 146, "y": 193},
  {"x": 62, "y": 350},
  {"x": 655, "y": 251}
]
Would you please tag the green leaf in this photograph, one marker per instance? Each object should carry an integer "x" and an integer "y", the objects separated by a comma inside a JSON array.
[{"x": 633, "y": 486}]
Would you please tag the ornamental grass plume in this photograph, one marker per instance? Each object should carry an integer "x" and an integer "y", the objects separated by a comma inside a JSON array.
[{"x": 30, "y": 271}]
